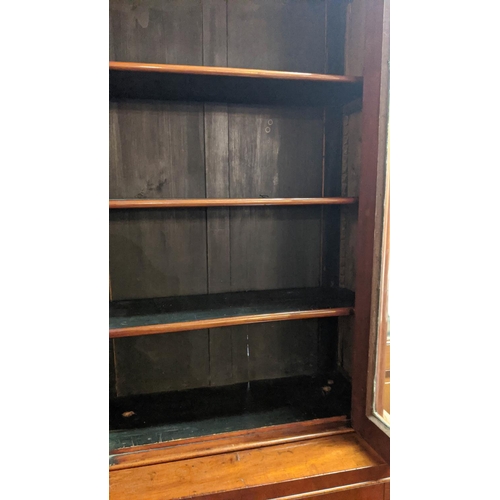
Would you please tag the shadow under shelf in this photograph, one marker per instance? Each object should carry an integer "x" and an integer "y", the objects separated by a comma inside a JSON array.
[{"x": 129, "y": 80}]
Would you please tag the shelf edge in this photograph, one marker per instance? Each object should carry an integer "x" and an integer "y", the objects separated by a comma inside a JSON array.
[
  {"x": 231, "y": 72},
  {"x": 136, "y": 331},
  {"x": 226, "y": 202}
]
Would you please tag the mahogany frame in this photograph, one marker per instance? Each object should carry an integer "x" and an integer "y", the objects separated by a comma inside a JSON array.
[{"x": 375, "y": 91}]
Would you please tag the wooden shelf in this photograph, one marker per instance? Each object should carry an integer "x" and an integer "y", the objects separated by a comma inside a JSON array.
[
  {"x": 227, "y": 202},
  {"x": 209, "y": 411},
  {"x": 133, "y": 80},
  {"x": 177, "y": 314},
  {"x": 230, "y": 72}
]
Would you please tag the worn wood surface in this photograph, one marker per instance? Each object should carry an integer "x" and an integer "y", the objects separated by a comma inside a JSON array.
[
  {"x": 156, "y": 31},
  {"x": 145, "y": 419},
  {"x": 291, "y": 35},
  {"x": 255, "y": 474},
  {"x": 171, "y": 451},
  {"x": 156, "y": 150}
]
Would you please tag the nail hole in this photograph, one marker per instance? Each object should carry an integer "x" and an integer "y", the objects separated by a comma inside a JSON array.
[
  {"x": 268, "y": 130},
  {"x": 269, "y": 122}
]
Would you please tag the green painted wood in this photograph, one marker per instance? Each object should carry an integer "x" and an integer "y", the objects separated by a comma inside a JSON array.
[{"x": 130, "y": 313}]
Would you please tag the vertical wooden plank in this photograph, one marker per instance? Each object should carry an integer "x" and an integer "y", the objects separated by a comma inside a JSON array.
[
  {"x": 332, "y": 183},
  {"x": 275, "y": 152},
  {"x": 229, "y": 362},
  {"x": 215, "y": 32},
  {"x": 227, "y": 346},
  {"x": 152, "y": 31},
  {"x": 157, "y": 253},
  {"x": 160, "y": 363},
  {"x": 355, "y": 37},
  {"x": 273, "y": 248},
  {"x": 156, "y": 150},
  {"x": 335, "y": 35},
  {"x": 275, "y": 34},
  {"x": 351, "y": 164},
  {"x": 216, "y": 150},
  {"x": 282, "y": 349}
]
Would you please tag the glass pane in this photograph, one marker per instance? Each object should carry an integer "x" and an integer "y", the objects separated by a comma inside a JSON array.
[{"x": 382, "y": 402}]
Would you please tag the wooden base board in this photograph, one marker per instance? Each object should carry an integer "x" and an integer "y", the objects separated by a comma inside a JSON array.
[{"x": 267, "y": 463}]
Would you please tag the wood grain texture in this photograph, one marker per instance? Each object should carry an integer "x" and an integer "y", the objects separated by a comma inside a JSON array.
[
  {"x": 335, "y": 17},
  {"x": 291, "y": 35},
  {"x": 275, "y": 152},
  {"x": 156, "y": 31},
  {"x": 156, "y": 150},
  {"x": 228, "y": 202},
  {"x": 257, "y": 473},
  {"x": 229, "y": 72},
  {"x": 355, "y": 36},
  {"x": 173, "y": 451}
]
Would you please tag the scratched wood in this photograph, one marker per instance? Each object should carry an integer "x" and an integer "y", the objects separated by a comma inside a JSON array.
[{"x": 269, "y": 472}]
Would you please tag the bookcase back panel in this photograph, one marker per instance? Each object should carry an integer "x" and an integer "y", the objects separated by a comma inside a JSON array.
[
  {"x": 223, "y": 356},
  {"x": 157, "y": 253},
  {"x": 275, "y": 151},
  {"x": 287, "y": 35},
  {"x": 156, "y": 150},
  {"x": 156, "y": 31},
  {"x": 160, "y": 363},
  {"x": 273, "y": 248},
  {"x": 197, "y": 150}
]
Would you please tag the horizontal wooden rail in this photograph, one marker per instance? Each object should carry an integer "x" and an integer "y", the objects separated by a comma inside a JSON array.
[
  {"x": 135, "y": 331},
  {"x": 227, "y": 202},
  {"x": 172, "y": 451},
  {"x": 235, "y": 72}
]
